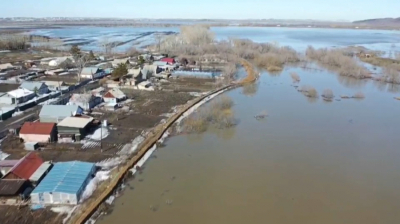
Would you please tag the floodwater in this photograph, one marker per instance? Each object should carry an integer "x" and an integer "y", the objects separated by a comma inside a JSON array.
[
  {"x": 309, "y": 162},
  {"x": 93, "y": 38}
]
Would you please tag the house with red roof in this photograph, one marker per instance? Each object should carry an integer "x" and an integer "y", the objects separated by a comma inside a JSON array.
[
  {"x": 168, "y": 60},
  {"x": 24, "y": 169},
  {"x": 38, "y": 132}
]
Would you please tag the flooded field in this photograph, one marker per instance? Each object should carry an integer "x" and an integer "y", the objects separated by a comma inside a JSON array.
[{"x": 309, "y": 161}]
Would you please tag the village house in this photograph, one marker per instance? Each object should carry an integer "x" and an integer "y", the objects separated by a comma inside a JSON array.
[
  {"x": 92, "y": 73},
  {"x": 36, "y": 87},
  {"x": 85, "y": 101},
  {"x": 54, "y": 71},
  {"x": 38, "y": 132},
  {"x": 54, "y": 85},
  {"x": 116, "y": 62},
  {"x": 114, "y": 95},
  {"x": 16, "y": 96},
  {"x": 24, "y": 169},
  {"x": 57, "y": 113},
  {"x": 73, "y": 128}
]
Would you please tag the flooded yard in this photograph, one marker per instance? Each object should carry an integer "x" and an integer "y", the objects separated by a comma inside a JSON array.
[{"x": 308, "y": 161}]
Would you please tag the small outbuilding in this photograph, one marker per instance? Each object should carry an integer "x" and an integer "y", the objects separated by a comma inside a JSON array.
[
  {"x": 38, "y": 132},
  {"x": 24, "y": 169},
  {"x": 12, "y": 188},
  {"x": 74, "y": 128},
  {"x": 40, "y": 173},
  {"x": 168, "y": 60},
  {"x": 64, "y": 184},
  {"x": 114, "y": 95}
]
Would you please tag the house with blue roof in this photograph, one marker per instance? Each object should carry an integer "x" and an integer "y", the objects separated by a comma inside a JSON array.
[
  {"x": 92, "y": 73},
  {"x": 36, "y": 87},
  {"x": 64, "y": 184}
]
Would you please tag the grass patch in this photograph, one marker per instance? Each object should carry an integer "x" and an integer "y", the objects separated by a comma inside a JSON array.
[{"x": 358, "y": 95}]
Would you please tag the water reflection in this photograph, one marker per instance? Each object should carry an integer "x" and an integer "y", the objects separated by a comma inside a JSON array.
[
  {"x": 389, "y": 87},
  {"x": 250, "y": 89},
  {"x": 351, "y": 82}
]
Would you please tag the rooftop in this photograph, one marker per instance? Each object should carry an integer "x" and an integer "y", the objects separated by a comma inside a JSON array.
[
  {"x": 117, "y": 93},
  {"x": 75, "y": 122},
  {"x": 20, "y": 93},
  {"x": 59, "y": 110},
  {"x": 65, "y": 177},
  {"x": 10, "y": 187},
  {"x": 31, "y": 85},
  {"x": 40, "y": 171},
  {"x": 38, "y": 128},
  {"x": 83, "y": 98},
  {"x": 89, "y": 70}
]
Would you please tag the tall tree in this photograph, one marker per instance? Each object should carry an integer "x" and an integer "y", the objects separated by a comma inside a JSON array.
[
  {"x": 75, "y": 51},
  {"x": 120, "y": 71}
]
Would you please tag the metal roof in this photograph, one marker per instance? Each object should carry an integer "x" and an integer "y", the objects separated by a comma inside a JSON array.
[
  {"x": 75, "y": 122},
  {"x": 59, "y": 110},
  {"x": 37, "y": 128},
  {"x": 20, "y": 93},
  {"x": 32, "y": 85},
  {"x": 10, "y": 187},
  {"x": 65, "y": 177},
  {"x": 40, "y": 171}
]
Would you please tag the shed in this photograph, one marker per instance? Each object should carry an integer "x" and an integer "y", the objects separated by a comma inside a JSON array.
[
  {"x": 57, "y": 113},
  {"x": 64, "y": 184},
  {"x": 40, "y": 173},
  {"x": 75, "y": 127},
  {"x": 6, "y": 66},
  {"x": 24, "y": 169},
  {"x": 38, "y": 132},
  {"x": 12, "y": 188},
  {"x": 114, "y": 95}
]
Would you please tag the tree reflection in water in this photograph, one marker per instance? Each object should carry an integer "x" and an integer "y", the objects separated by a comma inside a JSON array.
[{"x": 250, "y": 89}]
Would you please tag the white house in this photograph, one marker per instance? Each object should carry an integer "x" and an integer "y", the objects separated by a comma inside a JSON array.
[
  {"x": 114, "y": 95},
  {"x": 17, "y": 96}
]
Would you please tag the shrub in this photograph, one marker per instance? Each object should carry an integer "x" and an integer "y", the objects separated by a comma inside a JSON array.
[
  {"x": 359, "y": 95},
  {"x": 328, "y": 94},
  {"x": 309, "y": 91},
  {"x": 295, "y": 77}
]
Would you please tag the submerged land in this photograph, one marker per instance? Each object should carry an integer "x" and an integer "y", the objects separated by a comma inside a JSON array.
[{"x": 157, "y": 82}]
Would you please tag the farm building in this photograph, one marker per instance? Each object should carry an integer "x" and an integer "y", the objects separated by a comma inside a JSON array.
[
  {"x": 85, "y": 101},
  {"x": 114, "y": 95},
  {"x": 38, "y": 132},
  {"x": 36, "y": 87},
  {"x": 74, "y": 128},
  {"x": 64, "y": 184},
  {"x": 195, "y": 74},
  {"x": 57, "y": 113},
  {"x": 24, "y": 169}
]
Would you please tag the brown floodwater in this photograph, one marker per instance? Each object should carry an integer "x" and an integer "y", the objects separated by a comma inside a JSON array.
[{"x": 309, "y": 162}]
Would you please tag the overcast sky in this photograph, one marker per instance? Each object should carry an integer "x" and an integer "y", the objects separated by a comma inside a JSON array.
[{"x": 200, "y": 9}]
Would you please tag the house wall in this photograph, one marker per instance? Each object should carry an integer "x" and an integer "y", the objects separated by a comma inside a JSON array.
[
  {"x": 54, "y": 198},
  {"x": 35, "y": 137},
  {"x": 110, "y": 99},
  {"x": 6, "y": 99}
]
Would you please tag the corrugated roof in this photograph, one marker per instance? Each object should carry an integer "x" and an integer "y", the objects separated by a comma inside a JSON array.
[
  {"x": 38, "y": 128},
  {"x": 59, "y": 110},
  {"x": 75, "y": 122},
  {"x": 26, "y": 166},
  {"x": 65, "y": 177},
  {"x": 40, "y": 171},
  {"x": 10, "y": 187},
  {"x": 31, "y": 85}
]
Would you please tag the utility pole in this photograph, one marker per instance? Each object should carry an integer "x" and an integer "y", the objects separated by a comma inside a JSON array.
[{"x": 101, "y": 138}]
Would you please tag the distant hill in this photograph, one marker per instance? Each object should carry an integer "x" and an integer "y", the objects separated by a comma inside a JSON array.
[{"x": 380, "y": 21}]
